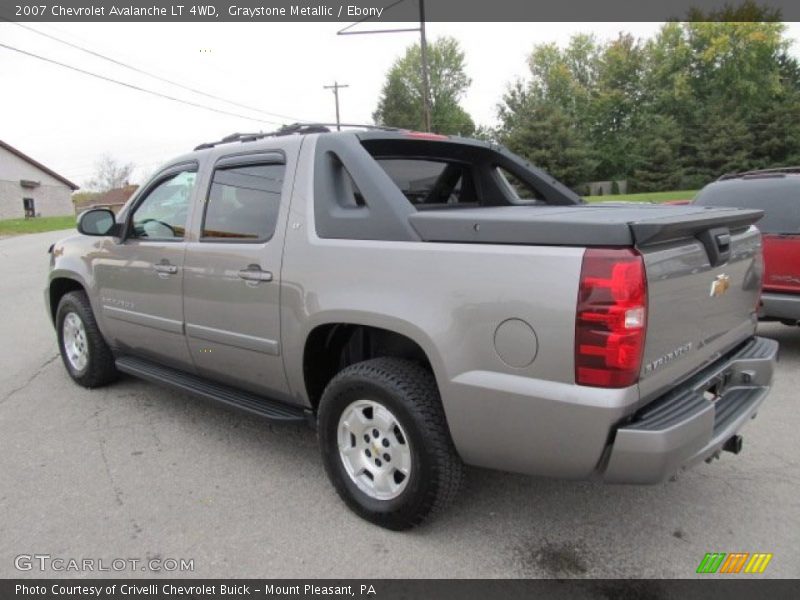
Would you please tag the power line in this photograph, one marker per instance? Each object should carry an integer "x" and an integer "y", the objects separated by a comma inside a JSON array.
[
  {"x": 154, "y": 76},
  {"x": 136, "y": 87}
]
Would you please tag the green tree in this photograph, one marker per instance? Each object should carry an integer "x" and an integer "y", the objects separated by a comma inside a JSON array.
[
  {"x": 737, "y": 80},
  {"x": 400, "y": 102},
  {"x": 776, "y": 127},
  {"x": 545, "y": 135},
  {"x": 658, "y": 166},
  {"x": 698, "y": 99},
  {"x": 548, "y": 119},
  {"x": 485, "y": 133},
  {"x": 566, "y": 78},
  {"x": 616, "y": 107}
]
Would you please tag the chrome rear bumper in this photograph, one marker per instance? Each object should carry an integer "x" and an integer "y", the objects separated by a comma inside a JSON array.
[{"x": 693, "y": 422}]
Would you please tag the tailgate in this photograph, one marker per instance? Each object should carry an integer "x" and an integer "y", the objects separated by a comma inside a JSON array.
[
  {"x": 703, "y": 281},
  {"x": 782, "y": 263}
]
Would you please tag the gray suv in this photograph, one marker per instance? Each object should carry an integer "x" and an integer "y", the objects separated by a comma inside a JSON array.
[{"x": 426, "y": 302}]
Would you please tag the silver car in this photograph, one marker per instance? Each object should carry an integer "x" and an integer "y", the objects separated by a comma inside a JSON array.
[{"x": 426, "y": 302}]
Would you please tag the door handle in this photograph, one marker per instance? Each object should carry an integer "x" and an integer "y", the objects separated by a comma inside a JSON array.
[
  {"x": 254, "y": 273},
  {"x": 165, "y": 269}
]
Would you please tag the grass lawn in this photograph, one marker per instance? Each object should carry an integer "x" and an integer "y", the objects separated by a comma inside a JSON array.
[
  {"x": 646, "y": 197},
  {"x": 37, "y": 225}
]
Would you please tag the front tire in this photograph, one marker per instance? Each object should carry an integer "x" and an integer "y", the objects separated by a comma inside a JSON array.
[
  {"x": 87, "y": 357},
  {"x": 385, "y": 442}
]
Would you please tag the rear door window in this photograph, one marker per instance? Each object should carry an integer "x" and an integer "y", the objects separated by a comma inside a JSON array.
[{"x": 243, "y": 203}]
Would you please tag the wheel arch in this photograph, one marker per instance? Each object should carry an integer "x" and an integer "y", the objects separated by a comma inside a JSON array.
[
  {"x": 59, "y": 286},
  {"x": 331, "y": 346}
]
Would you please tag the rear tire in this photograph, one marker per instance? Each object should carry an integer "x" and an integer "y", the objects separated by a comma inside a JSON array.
[
  {"x": 87, "y": 357},
  {"x": 385, "y": 442}
]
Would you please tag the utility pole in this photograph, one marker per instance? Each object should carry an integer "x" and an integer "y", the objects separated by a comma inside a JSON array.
[
  {"x": 336, "y": 87},
  {"x": 426, "y": 84}
]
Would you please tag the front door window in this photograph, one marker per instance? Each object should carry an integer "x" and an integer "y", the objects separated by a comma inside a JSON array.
[{"x": 162, "y": 214}]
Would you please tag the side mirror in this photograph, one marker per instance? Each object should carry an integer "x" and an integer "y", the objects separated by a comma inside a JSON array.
[{"x": 97, "y": 221}]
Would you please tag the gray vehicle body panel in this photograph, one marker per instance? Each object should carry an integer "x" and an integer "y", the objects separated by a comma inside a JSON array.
[
  {"x": 233, "y": 325},
  {"x": 451, "y": 298},
  {"x": 781, "y": 306}
]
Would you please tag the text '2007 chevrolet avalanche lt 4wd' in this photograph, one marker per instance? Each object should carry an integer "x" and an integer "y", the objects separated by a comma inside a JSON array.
[{"x": 427, "y": 302}]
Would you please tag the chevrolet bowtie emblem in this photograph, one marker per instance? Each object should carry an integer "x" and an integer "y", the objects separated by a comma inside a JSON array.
[{"x": 720, "y": 285}]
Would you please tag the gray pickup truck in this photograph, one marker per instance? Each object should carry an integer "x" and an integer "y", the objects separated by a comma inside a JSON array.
[{"x": 426, "y": 302}]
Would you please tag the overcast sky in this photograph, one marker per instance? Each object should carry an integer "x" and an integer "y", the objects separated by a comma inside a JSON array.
[{"x": 66, "y": 120}]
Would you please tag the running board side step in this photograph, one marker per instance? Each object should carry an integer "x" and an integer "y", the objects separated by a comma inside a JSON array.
[{"x": 246, "y": 401}]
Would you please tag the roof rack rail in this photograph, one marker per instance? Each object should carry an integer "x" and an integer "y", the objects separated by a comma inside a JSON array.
[
  {"x": 758, "y": 172},
  {"x": 294, "y": 128}
]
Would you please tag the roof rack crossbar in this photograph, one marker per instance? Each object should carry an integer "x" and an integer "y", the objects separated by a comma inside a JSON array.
[
  {"x": 773, "y": 171},
  {"x": 294, "y": 128}
]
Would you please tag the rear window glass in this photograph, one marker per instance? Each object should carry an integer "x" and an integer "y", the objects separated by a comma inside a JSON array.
[
  {"x": 243, "y": 203},
  {"x": 431, "y": 182},
  {"x": 778, "y": 197}
]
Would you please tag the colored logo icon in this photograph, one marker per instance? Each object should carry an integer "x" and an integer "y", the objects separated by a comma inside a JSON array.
[{"x": 735, "y": 562}]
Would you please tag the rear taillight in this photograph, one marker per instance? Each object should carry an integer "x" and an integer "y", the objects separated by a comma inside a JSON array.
[{"x": 611, "y": 318}]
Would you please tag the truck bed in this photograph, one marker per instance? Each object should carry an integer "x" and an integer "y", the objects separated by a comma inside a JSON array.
[{"x": 579, "y": 225}]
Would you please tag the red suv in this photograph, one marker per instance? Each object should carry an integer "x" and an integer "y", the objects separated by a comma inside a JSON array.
[{"x": 777, "y": 193}]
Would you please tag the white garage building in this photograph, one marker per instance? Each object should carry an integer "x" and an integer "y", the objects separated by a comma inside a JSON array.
[{"x": 28, "y": 188}]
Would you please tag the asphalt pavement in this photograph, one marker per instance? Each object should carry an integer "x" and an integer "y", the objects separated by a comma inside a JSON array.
[{"x": 136, "y": 471}]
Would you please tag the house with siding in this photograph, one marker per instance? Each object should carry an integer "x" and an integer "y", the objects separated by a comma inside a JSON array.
[{"x": 30, "y": 189}]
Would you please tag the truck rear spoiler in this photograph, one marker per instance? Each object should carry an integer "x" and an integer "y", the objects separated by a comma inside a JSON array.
[{"x": 650, "y": 231}]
